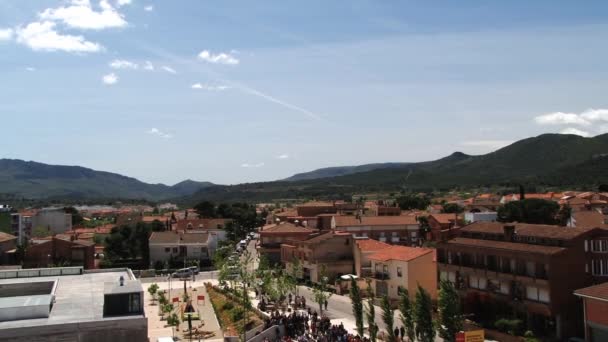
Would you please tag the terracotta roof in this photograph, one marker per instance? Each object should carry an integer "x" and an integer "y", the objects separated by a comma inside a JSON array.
[
  {"x": 286, "y": 227},
  {"x": 525, "y": 229},
  {"x": 401, "y": 253},
  {"x": 6, "y": 237},
  {"x": 444, "y": 218},
  {"x": 346, "y": 221},
  {"x": 174, "y": 238},
  {"x": 510, "y": 246},
  {"x": 149, "y": 219},
  {"x": 202, "y": 223},
  {"x": 596, "y": 292},
  {"x": 325, "y": 236},
  {"x": 589, "y": 219},
  {"x": 370, "y": 245},
  {"x": 316, "y": 204}
]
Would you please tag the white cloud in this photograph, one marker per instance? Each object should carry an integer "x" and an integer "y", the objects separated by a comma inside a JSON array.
[
  {"x": 30, "y": 69},
  {"x": 247, "y": 165},
  {"x": 120, "y": 3},
  {"x": 283, "y": 156},
  {"x": 148, "y": 66},
  {"x": 149, "y": 8},
  {"x": 575, "y": 131},
  {"x": 490, "y": 144},
  {"x": 80, "y": 14},
  {"x": 6, "y": 34},
  {"x": 560, "y": 118},
  {"x": 209, "y": 87},
  {"x": 41, "y": 36},
  {"x": 159, "y": 133},
  {"x": 110, "y": 79},
  {"x": 595, "y": 115},
  {"x": 123, "y": 64},
  {"x": 169, "y": 69},
  {"x": 221, "y": 58}
]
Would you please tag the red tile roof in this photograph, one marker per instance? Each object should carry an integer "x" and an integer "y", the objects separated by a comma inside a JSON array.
[
  {"x": 401, "y": 253},
  {"x": 346, "y": 221},
  {"x": 287, "y": 227},
  {"x": 370, "y": 245},
  {"x": 589, "y": 219},
  {"x": 525, "y": 229},
  {"x": 599, "y": 292},
  {"x": 510, "y": 246},
  {"x": 444, "y": 218},
  {"x": 202, "y": 223}
]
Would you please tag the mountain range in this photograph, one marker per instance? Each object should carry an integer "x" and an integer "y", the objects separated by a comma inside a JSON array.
[
  {"x": 550, "y": 160},
  {"x": 34, "y": 180}
]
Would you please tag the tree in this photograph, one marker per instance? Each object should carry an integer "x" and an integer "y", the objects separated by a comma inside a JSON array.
[
  {"x": 357, "y": 301},
  {"x": 564, "y": 214},
  {"x": 321, "y": 291},
  {"x": 530, "y": 210},
  {"x": 602, "y": 188},
  {"x": 405, "y": 306},
  {"x": 451, "y": 208},
  {"x": 41, "y": 231},
  {"x": 173, "y": 321},
  {"x": 450, "y": 318},
  {"x": 166, "y": 308},
  {"x": 152, "y": 289},
  {"x": 423, "y": 307},
  {"x": 410, "y": 201},
  {"x": 205, "y": 209},
  {"x": 388, "y": 316},
  {"x": 76, "y": 217},
  {"x": 371, "y": 314}
]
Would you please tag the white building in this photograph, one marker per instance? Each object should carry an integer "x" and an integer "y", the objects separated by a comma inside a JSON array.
[
  {"x": 488, "y": 216},
  {"x": 179, "y": 245}
]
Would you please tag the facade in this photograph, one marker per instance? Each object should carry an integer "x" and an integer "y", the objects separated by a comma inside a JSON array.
[
  {"x": 530, "y": 270},
  {"x": 399, "y": 267},
  {"x": 54, "y": 221},
  {"x": 57, "y": 251},
  {"x": 443, "y": 226},
  {"x": 8, "y": 245},
  {"x": 396, "y": 230},
  {"x": 363, "y": 248},
  {"x": 71, "y": 304},
  {"x": 595, "y": 311},
  {"x": 487, "y": 216},
  {"x": 331, "y": 250},
  {"x": 272, "y": 236},
  {"x": 174, "y": 245}
]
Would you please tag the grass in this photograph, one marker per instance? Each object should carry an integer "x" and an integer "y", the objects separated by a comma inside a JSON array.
[{"x": 229, "y": 313}]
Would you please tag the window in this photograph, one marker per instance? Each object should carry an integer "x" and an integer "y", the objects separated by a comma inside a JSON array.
[
  {"x": 530, "y": 269},
  {"x": 504, "y": 287},
  {"x": 385, "y": 269},
  {"x": 167, "y": 249},
  {"x": 398, "y": 271},
  {"x": 174, "y": 249},
  {"x": 599, "y": 267},
  {"x": 400, "y": 289},
  {"x": 537, "y": 294},
  {"x": 599, "y": 246},
  {"x": 477, "y": 282}
]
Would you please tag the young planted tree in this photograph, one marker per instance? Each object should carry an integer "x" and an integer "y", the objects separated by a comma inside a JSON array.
[
  {"x": 152, "y": 289},
  {"x": 371, "y": 314},
  {"x": 423, "y": 316},
  {"x": 321, "y": 291},
  {"x": 173, "y": 321},
  {"x": 388, "y": 316},
  {"x": 355, "y": 297},
  {"x": 407, "y": 318},
  {"x": 450, "y": 317}
]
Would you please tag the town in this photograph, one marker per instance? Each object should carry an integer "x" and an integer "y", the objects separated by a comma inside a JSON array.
[{"x": 410, "y": 267}]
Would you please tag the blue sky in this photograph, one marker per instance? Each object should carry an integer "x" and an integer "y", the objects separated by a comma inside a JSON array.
[{"x": 242, "y": 91}]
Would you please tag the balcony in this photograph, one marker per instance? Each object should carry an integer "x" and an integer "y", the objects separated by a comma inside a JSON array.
[{"x": 381, "y": 276}]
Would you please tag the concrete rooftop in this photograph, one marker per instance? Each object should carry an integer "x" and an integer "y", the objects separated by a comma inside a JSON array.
[{"x": 78, "y": 298}]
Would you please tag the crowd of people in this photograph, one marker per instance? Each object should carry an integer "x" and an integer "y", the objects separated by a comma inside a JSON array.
[{"x": 307, "y": 326}]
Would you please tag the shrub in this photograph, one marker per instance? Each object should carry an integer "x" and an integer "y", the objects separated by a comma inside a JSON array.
[
  {"x": 509, "y": 326},
  {"x": 237, "y": 315},
  {"x": 227, "y": 306}
]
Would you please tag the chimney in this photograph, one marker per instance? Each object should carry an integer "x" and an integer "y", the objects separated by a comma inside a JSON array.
[
  {"x": 509, "y": 231},
  {"x": 121, "y": 280}
]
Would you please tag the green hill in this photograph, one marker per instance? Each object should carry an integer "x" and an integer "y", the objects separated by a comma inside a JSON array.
[
  {"x": 549, "y": 159},
  {"x": 36, "y": 180}
]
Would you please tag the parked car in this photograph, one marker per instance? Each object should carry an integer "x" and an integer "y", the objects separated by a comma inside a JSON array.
[
  {"x": 183, "y": 273},
  {"x": 194, "y": 269}
]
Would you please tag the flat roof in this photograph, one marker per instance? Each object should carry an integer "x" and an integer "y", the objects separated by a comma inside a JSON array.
[{"x": 78, "y": 298}]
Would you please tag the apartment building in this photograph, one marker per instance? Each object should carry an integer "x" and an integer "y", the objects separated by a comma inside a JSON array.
[
  {"x": 53, "y": 220},
  {"x": 443, "y": 226},
  {"x": 331, "y": 250},
  {"x": 59, "y": 251},
  {"x": 175, "y": 245},
  {"x": 595, "y": 311},
  {"x": 399, "y": 267},
  {"x": 530, "y": 270},
  {"x": 272, "y": 236},
  {"x": 363, "y": 248},
  {"x": 396, "y": 230}
]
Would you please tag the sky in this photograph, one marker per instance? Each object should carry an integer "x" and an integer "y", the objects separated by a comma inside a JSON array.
[{"x": 245, "y": 91}]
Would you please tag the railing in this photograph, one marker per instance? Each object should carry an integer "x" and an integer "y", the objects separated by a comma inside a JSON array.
[{"x": 381, "y": 276}]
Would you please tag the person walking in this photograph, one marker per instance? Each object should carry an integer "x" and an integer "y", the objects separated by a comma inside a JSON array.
[
  {"x": 326, "y": 303},
  {"x": 402, "y": 331},
  {"x": 396, "y": 331}
]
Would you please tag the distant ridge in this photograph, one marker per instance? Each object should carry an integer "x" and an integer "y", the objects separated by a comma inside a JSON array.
[
  {"x": 556, "y": 160},
  {"x": 37, "y": 180}
]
